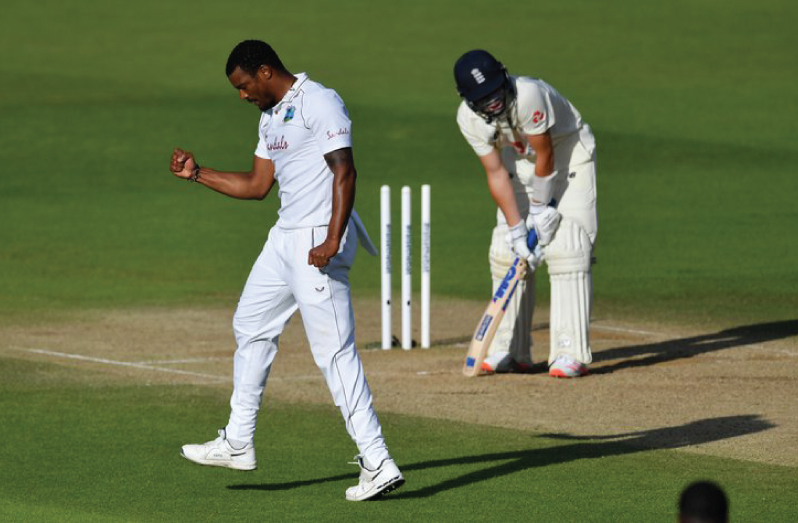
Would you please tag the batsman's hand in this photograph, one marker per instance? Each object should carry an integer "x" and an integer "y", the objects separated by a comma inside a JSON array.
[
  {"x": 545, "y": 221},
  {"x": 183, "y": 164},
  {"x": 519, "y": 239}
]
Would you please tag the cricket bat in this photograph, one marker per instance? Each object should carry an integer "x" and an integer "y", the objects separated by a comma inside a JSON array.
[{"x": 487, "y": 326}]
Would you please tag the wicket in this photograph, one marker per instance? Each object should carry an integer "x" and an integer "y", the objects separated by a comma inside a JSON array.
[{"x": 406, "y": 236}]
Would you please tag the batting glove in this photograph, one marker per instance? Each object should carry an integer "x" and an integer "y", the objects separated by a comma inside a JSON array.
[
  {"x": 545, "y": 220},
  {"x": 519, "y": 244}
]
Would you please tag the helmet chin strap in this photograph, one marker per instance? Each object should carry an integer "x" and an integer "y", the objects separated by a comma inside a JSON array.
[
  {"x": 509, "y": 104},
  {"x": 489, "y": 118},
  {"x": 512, "y": 100}
]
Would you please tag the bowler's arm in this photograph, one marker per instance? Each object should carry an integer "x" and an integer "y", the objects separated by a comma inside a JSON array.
[
  {"x": 501, "y": 189},
  {"x": 342, "y": 165},
  {"x": 252, "y": 185}
]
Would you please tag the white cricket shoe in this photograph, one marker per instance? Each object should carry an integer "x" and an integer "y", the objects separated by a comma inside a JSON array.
[
  {"x": 566, "y": 367},
  {"x": 219, "y": 453},
  {"x": 375, "y": 482},
  {"x": 504, "y": 363}
]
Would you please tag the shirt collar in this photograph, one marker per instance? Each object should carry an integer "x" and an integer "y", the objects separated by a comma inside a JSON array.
[{"x": 293, "y": 90}]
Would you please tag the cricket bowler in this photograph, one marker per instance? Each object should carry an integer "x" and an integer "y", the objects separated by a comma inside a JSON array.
[{"x": 305, "y": 146}]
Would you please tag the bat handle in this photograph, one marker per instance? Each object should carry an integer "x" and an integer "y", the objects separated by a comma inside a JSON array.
[
  {"x": 532, "y": 240},
  {"x": 532, "y": 235}
]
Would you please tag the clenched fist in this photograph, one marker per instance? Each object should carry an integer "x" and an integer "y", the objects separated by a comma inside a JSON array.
[
  {"x": 320, "y": 255},
  {"x": 184, "y": 165}
]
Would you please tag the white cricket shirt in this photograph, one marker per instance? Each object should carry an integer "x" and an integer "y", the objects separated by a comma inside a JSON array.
[
  {"x": 538, "y": 108},
  {"x": 309, "y": 122}
]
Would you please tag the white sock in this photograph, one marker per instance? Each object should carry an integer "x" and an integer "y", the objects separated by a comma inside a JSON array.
[{"x": 237, "y": 445}]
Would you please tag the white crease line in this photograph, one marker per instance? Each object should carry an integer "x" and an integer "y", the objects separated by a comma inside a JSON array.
[
  {"x": 305, "y": 377},
  {"x": 621, "y": 329},
  {"x": 123, "y": 364},
  {"x": 785, "y": 351},
  {"x": 729, "y": 338},
  {"x": 188, "y": 360},
  {"x": 160, "y": 369}
]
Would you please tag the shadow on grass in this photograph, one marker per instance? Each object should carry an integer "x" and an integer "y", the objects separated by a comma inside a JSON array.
[
  {"x": 579, "y": 447},
  {"x": 670, "y": 350}
]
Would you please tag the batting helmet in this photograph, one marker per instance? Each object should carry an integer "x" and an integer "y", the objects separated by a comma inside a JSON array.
[{"x": 482, "y": 81}]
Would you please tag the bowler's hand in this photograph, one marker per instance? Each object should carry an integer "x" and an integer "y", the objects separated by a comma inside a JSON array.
[
  {"x": 320, "y": 255},
  {"x": 183, "y": 164}
]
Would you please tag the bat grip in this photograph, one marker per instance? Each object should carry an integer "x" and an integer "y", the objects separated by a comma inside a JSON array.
[
  {"x": 532, "y": 235},
  {"x": 532, "y": 239}
]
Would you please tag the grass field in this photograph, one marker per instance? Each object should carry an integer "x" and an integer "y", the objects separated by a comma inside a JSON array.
[
  {"x": 107, "y": 452},
  {"x": 693, "y": 106},
  {"x": 690, "y": 102}
]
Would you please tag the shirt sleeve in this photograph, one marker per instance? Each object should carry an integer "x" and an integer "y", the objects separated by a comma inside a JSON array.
[
  {"x": 261, "y": 151},
  {"x": 474, "y": 130},
  {"x": 535, "y": 111},
  {"x": 328, "y": 120}
]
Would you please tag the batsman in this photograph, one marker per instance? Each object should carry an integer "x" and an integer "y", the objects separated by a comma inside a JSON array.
[{"x": 539, "y": 158}]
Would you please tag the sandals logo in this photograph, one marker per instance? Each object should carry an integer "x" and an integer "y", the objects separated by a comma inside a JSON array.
[
  {"x": 278, "y": 144},
  {"x": 339, "y": 132}
]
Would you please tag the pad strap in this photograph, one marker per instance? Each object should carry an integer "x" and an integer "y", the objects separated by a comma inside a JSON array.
[{"x": 569, "y": 251}]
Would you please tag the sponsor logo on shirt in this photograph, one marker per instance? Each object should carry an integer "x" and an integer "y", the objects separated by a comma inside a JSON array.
[
  {"x": 339, "y": 132},
  {"x": 278, "y": 144}
]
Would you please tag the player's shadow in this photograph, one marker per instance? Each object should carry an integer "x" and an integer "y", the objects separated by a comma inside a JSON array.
[
  {"x": 500, "y": 464},
  {"x": 589, "y": 447},
  {"x": 669, "y": 350}
]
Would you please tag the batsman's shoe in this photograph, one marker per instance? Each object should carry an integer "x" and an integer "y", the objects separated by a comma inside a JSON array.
[
  {"x": 219, "y": 453},
  {"x": 375, "y": 482},
  {"x": 566, "y": 367},
  {"x": 503, "y": 363}
]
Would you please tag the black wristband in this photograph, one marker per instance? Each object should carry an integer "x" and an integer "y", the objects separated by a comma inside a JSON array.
[{"x": 196, "y": 176}]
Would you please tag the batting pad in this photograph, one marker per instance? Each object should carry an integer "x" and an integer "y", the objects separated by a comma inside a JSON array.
[
  {"x": 514, "y": 332},
  {"x": 568, "y": 259}
]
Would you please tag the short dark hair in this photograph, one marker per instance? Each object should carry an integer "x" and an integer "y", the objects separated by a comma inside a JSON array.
[
  {"x": 705, "y": 502},
  {"x": 249, "y": 55}
]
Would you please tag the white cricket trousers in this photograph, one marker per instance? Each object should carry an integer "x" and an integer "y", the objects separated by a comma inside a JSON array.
[{"x": 281, "y": 281}]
